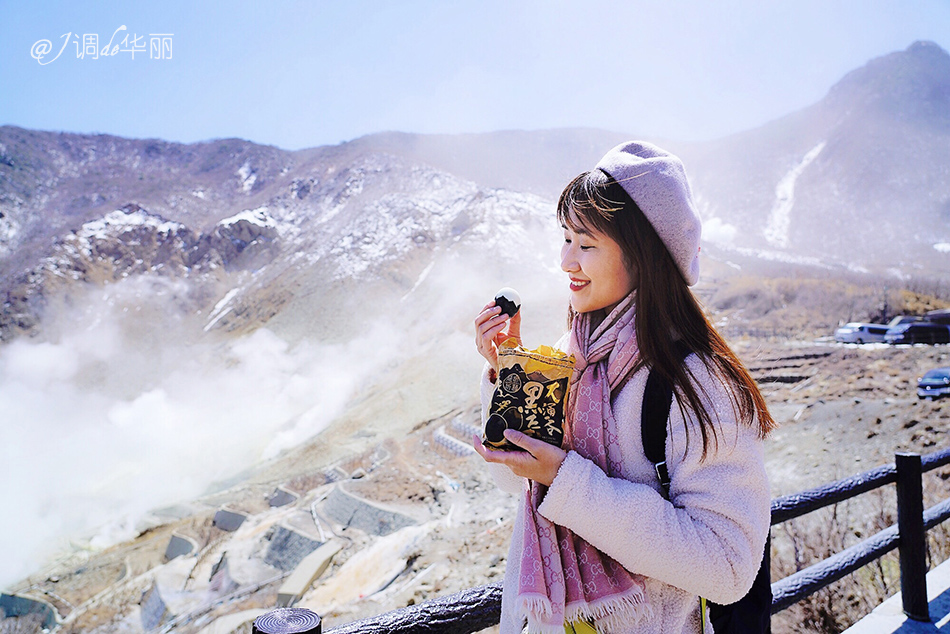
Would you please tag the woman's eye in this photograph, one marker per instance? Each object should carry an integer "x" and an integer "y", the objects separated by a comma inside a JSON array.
[{"x": 587, "y": 248}]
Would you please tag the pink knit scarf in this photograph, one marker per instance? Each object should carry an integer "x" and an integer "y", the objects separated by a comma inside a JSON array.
[{"x": 562, "y": 577}]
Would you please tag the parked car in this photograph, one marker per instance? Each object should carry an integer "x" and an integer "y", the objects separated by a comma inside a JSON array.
[
  {"x": 856, "y": 332},
  {"x": 941, "y": 316},
  {"x": 903, "y": 319},
  {"x": 918, "y": 332},
  {"x": 934, "y": 383}
]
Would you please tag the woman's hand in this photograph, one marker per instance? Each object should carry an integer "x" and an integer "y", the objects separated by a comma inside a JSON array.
[
  {"x": 488, "y": 331},
  {"x": 539, "y": 462}
]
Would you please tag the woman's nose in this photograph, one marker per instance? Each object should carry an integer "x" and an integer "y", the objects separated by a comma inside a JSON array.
[{"x": 568, "y": 259}]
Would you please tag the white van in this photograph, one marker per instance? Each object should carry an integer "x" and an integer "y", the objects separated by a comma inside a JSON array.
[{"x": 856, "y": 332}]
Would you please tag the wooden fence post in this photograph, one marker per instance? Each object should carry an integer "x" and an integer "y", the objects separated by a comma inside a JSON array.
[{"x": 912, "y": 545}]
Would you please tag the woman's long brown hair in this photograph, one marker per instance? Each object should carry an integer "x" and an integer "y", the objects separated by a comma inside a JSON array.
[{"x": 668, "y": 314}]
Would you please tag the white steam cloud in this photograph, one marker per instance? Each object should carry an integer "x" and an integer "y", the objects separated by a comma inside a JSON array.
[
  {"x": 103, "y": 424},
  {"x": 129, "y": 406}
]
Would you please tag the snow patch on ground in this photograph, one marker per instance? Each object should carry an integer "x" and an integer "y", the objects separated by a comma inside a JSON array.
[
  {"x": 395, "y": 224},
  {"x": 422, "y": 278},
  {"x": 221, "y": 308},
  {"x": 257, "y": 216},
  {"x": 118, "y": 221},
  {"x": 776, "y": 230},
  {"x": 248, "y": 177},
  {"x": 777, "y": 256},
  {"x": 8, "y": 231},
  {"x": 943, "y": 247}
]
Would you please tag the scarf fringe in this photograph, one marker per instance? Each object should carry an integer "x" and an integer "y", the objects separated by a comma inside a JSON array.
[
  {"x": 535, "y": 607},
  {"x": 613, "y": 614},
  {"x": 534, "y": 604},
  {"x": 609, "y": 615}
]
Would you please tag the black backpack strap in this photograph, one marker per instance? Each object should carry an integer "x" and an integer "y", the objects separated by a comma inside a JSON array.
[{"x": 657, "y": 400}]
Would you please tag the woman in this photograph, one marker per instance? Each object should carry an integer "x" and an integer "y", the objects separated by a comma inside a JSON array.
[{"x": 596, "y": 542}]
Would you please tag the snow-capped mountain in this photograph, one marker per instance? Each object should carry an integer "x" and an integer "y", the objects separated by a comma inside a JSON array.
[
  {"x": 860, "y": 180},
  {"x": 301, "y": 240},
  {"x": 131, "y": 241},
  {"x": 318, "y": 241}
]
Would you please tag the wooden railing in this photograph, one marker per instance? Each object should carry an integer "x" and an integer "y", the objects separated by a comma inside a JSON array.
[
  {"x": 478, "y": 608},
  {"x": 908, "y": 535}
]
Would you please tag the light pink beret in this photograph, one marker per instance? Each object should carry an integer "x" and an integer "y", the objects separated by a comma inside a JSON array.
[{"x": 656, "y": 181}]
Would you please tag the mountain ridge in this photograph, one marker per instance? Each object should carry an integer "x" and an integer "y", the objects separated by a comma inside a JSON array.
[{"x": 840, "y": 184}]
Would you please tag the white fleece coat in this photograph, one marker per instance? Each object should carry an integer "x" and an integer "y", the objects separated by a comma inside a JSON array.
[{"x": 707, "y": 540}]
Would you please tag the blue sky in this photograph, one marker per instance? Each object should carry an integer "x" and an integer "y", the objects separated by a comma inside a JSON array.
[{"x": 300, "y": 74}]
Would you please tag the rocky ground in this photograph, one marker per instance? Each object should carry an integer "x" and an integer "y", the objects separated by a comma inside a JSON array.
[{"x": 842, "y": 409}]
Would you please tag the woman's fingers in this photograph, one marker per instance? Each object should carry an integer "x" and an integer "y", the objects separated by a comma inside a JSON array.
[
  {"x": 490, "y": 331},
  {"x": 480, "y": 449},
  {"x": 539, "y": 462},
  {"x": 487, "y": 318},
  {"x": 488, "y": 325},
  {"x": 515, "y": 460},
  {"x": 514, "y": 328},
  {"x": 489, "y": 311},
  {"x": 526, "y": 442}
]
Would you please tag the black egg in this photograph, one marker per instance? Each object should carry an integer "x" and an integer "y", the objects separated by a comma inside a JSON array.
[
  {"x": 495, "y": 428},
  {"x": 509, "y": 300}
]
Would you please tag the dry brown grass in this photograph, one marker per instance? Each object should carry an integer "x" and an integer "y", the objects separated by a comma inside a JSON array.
[
  {"x": 809, "y": 307},
  {"x": 804, "y": 541}
]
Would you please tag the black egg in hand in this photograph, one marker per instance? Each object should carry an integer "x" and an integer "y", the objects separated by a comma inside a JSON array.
[{"x": 508, "y": 300}]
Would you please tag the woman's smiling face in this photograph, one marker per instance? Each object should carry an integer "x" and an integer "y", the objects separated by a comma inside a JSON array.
[{"x": 600, "y": 278}]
